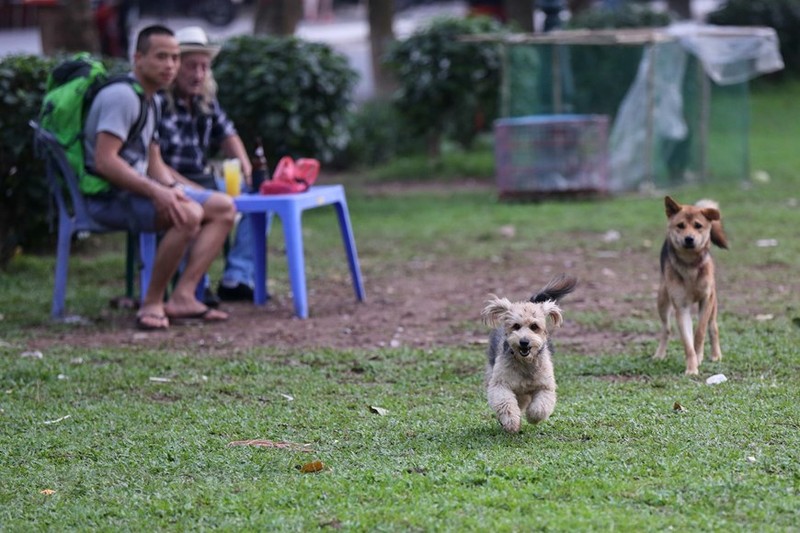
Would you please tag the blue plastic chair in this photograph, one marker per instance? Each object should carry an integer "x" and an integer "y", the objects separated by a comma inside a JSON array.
[
  {"x": 289, "y": 208},
  {"x": 73, "y": 217}
]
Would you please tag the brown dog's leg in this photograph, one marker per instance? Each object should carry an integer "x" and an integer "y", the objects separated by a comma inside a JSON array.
[
  {"x": 664, "y": 308},
  {"x": 684, "y": 319},
  {"x": 713, "y": 334},
  {"x": 704, "y": 319}
]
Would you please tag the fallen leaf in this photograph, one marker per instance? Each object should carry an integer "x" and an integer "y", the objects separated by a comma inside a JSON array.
[
  {"x": 273, "y": 444},
  {"x": 378, "y": 410},
  {"x": 312, "y": 467},
  {"x": 678, "y": 408},
  {"x": 47, "y": 492},
  {"x": 57, "y": 420}
]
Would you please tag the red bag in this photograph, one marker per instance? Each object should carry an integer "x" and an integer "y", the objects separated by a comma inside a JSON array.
[{"x": 291, "y": 176}]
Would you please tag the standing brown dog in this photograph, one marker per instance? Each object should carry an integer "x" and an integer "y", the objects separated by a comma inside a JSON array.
[{"x": 687, "y": 277}]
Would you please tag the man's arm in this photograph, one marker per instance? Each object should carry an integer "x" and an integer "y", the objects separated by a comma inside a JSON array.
[
  {"x": 117, "y": 171},
  {"x": 169, "y": 196},
  {"x": 159, "y": 170}
]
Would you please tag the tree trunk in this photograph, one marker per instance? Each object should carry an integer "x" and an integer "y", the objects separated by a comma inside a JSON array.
[
  {"x": 277, "y": 17},
  {"x": 520, "y": 14},
  {"x": 68, "y": 26},
  {"x": 576, "y": 6},
  {"x": 380, "y": 14},
  {"x": 680, "y": 8}
]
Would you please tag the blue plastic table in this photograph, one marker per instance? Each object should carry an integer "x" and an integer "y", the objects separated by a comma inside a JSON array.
[{"x": 290, "y": 207}]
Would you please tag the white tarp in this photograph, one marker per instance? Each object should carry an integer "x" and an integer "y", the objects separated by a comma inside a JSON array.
[{"x": 728, "y": 55}]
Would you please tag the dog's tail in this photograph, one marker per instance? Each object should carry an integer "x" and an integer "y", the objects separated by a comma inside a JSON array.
[
  {"x": 558, "y": 287},
  {"x": 717, "y": 233}
]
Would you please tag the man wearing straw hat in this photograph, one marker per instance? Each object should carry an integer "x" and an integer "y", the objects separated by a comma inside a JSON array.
[{"x": 193, "y": 127}]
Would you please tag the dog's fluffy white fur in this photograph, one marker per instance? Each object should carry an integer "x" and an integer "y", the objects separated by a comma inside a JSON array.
[{"x": 519, "y": 370}]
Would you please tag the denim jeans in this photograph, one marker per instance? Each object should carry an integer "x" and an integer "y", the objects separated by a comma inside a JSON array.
[{"x": 239, "y": 266}]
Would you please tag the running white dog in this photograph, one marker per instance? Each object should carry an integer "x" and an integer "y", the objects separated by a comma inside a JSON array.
[{"x": 519, "y": 372}]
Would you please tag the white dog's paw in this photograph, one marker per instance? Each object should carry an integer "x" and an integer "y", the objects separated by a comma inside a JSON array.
[
  {"x": 510, "y": 423},
  {"x": 541, "y": 407},
  {"x": 535, "y": 416}
]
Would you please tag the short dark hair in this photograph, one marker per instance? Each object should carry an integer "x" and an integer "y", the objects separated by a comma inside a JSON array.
[{"x": 143, "y": 40}]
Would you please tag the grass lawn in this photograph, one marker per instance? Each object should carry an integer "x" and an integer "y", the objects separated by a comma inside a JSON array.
[{"x": 138, "y": 439}]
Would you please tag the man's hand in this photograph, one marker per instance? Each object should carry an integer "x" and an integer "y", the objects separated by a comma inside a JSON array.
[{"x": 169, "y": 203}]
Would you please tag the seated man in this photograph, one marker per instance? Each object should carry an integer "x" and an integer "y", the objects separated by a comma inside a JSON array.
[
  {"x": 138, "y": 191},
  {"x": 193, "y": 127}
]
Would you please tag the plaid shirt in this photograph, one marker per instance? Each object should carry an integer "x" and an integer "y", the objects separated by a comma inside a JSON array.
[{"x": 187, "y": 140}]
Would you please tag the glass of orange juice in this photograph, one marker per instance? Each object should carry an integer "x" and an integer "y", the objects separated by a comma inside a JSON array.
[{"x": 232, "y": 172}]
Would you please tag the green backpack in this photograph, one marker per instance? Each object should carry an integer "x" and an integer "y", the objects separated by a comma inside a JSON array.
[{"x": 71, "y": 87}]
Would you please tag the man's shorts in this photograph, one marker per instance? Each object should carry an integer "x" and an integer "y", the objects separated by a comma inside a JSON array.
[{"x": 120, "y": 209}]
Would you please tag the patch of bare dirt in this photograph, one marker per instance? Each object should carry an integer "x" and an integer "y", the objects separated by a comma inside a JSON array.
[{"x": 417, "y": 305}]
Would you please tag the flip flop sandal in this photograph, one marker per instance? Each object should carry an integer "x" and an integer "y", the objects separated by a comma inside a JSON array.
[
  {"x": 206, "y": 315},
  {"x": 163, "y": 323}
]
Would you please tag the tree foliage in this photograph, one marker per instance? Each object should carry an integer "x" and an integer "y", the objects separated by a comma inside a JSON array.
[
  {"x": 448, "y": 86},
  {"x": 293, "y": 94}
]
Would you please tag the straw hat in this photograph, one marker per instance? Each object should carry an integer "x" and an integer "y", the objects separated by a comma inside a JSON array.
[{"x": 194, "y": 39}]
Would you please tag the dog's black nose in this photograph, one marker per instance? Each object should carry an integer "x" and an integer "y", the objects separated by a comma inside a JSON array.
[
  {"x": 524, "y": 347},
  {"x": 688, "y": 242}
]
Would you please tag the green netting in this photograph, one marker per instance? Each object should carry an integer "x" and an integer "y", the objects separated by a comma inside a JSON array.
[{"x": 670, "y": 122}]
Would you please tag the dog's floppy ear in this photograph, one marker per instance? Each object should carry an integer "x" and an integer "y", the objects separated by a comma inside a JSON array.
[
  {"x": 671, "y": 206},
  {"x": 553, "y": 312},
  {"x": 718, "y": 235},
  {"x": 711, "y": 213},
  {"x": 495, "y": 309},
  {"x": 710, "y": 210}
]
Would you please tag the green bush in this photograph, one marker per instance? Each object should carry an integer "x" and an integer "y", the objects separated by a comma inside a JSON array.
[
  {"x": 293, "y": 94},
  {"x": 378, "y": 134},
  {"x": 24, "y": 205},
  {"x": 782, "y": 15},
  {"x": 23, "y": 193},
  {"x": 448, "y": 87}
]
